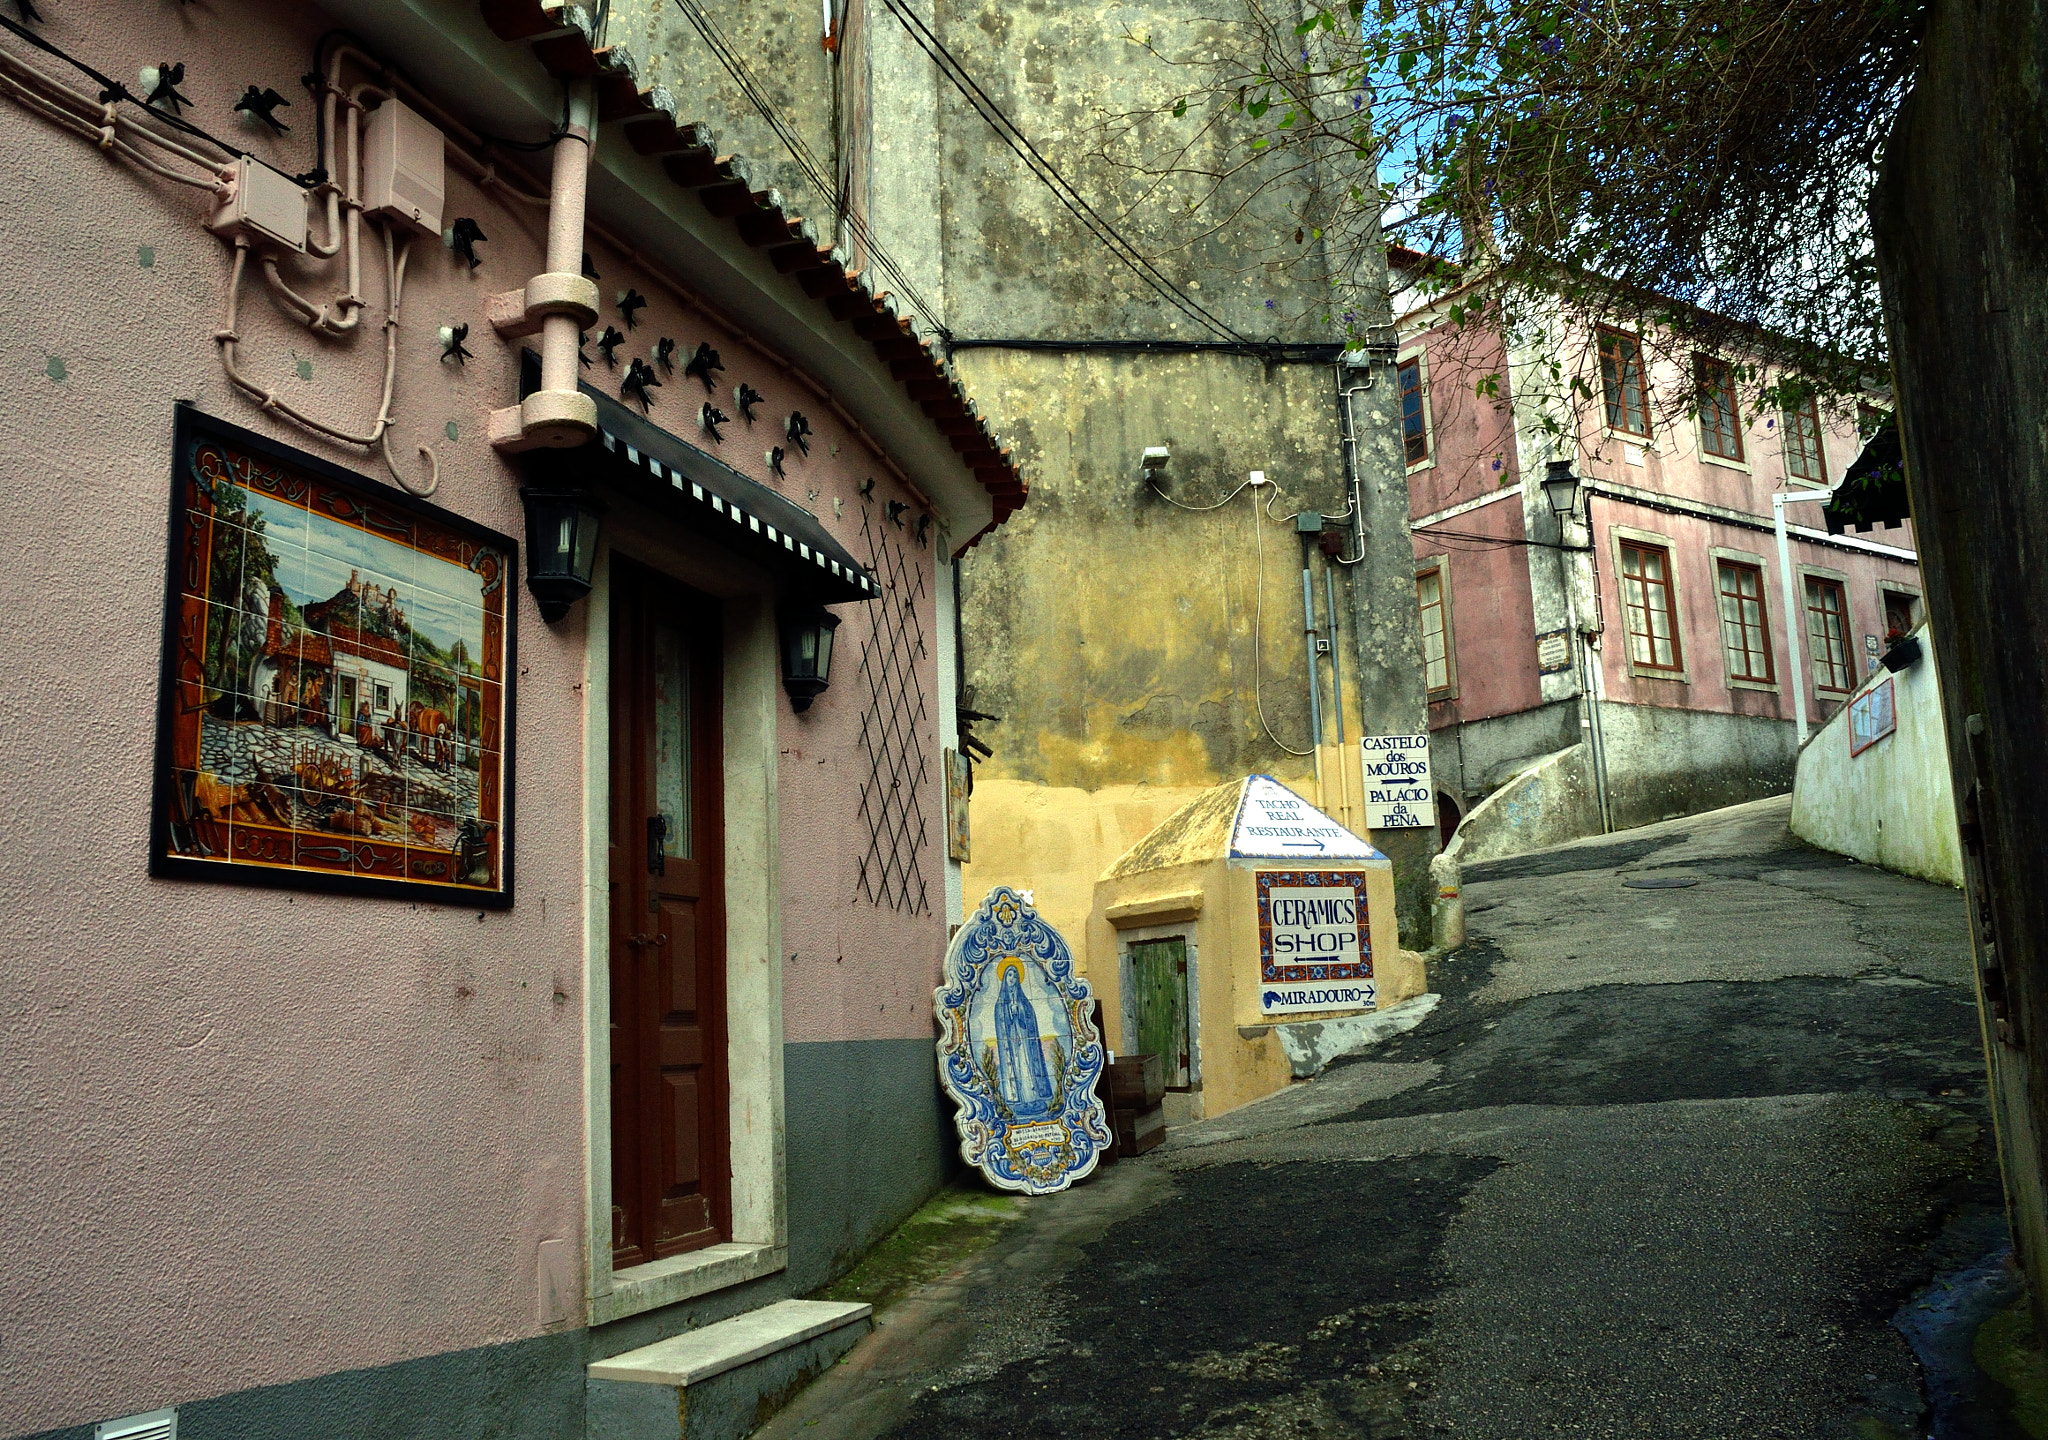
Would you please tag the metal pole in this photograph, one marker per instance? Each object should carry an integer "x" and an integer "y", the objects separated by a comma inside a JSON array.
[
  {"x": 1336, "y": 677},
  {"x": 1794, "y": 614}
]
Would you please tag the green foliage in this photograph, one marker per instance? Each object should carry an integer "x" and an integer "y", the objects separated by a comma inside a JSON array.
[{"x": 1703, "y": 170}]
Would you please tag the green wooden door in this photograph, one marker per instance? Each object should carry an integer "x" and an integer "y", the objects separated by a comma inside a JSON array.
[{"x": 1159, "y": 979}]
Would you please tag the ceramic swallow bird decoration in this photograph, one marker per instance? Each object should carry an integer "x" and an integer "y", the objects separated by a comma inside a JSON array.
[
  {"x": 703, "y": 363},
  {"x": 640, "y": 378},
  {"x": 462, "y": 238},
  {"x": 798, "y": 431},
  {"x": 710, "y": 418},
  {"x": 163, "y": 81},
  {"x": 452, "y": 347},
  {"x": 744, "y": 398},
  {"x": 608, "y": 345},
  {"x": 630, "y": 305},
  {"x": 261, "y": 105}
]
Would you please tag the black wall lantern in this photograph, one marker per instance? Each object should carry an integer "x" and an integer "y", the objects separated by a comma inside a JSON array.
[
  {"x": 1561, "y": 487},
  {"x": 561, "y": 545},
  {"x": 806, "y": 653}
]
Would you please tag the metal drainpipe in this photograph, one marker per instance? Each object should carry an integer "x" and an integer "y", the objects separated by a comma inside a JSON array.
[
  {"x": 1795, "y": 613},
  {"x": 1310, "y": 632},
  {"x": 1347, "y": 425},
  {"x": 1336, "y": 675}
]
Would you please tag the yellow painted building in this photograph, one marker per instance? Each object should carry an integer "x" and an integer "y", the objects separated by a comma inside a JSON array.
[{"x": 1182, "y": 922}]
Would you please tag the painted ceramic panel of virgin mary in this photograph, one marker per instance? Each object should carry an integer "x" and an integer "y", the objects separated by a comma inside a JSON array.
[{"x": 1018, "y": 1052}]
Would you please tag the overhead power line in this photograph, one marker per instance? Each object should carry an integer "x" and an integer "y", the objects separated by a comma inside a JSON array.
[
  {"x": 827, "y": 186},
  {"x": 1034, "y": 159}
]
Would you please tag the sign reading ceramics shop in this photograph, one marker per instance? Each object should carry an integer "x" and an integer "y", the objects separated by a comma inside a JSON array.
[
  {"x": 1315, "y": 951},
  {"x": 1315, "y": 942},
  {"x": 1018, "y": 1052},
  {"x": 1398, "y": 791}
]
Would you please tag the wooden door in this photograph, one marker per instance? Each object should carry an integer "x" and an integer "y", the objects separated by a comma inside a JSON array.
[
  {"x": 671, "y": 1166},
  {"x": 1159, "y": 978}
]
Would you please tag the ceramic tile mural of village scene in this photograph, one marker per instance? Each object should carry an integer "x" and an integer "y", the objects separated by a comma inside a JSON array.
[{"x": 335, "y": 700}]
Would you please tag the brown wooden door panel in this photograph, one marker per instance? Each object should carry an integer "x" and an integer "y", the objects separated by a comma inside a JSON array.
[
  {"x": 671, "y": 1166},
  {"x": 680, "y": 960}
]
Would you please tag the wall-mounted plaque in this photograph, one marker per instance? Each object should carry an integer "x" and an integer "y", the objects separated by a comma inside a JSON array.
[
  {"x": 335, "y": 707},
  {"x": 1554, "y": 652},
  {"x": 1019, "y": 1053}
]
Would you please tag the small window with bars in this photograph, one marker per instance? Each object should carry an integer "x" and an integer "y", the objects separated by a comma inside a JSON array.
[
  {"x": 1745, "y": 634},
  {"x": 1805, "y": 459},
  {"x": 1621, "y": 380},
  {"x": 1414, "y": 423},
  {"x": 1647, "y": 601},
  {"x": 1436, "y": 633},
  {"x": 1827, "y": 631},
  {"x": 1720, "y": 417}
]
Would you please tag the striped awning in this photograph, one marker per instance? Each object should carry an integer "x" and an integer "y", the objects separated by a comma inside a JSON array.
[{"x": 702, "y": 491}]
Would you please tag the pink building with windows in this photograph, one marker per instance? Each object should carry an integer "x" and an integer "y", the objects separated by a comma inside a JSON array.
[{"x": 1639, "y": 641}]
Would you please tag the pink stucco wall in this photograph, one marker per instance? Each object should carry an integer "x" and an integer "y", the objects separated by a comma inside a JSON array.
[
  {"x": 1472, "y": 436},
  {"x": 254, "y": 1135},
  {"x": 1491, "y": 612}
]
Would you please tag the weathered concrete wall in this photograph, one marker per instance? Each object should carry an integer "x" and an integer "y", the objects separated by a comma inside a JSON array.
[
  {"x": 1549, "y": 803},
  {"x": 1476, "y": 758},
  {"x": 1114, "y": 632},
  {"x": 1894, "y": 804},
  {"x": 1663, "y": 762}
]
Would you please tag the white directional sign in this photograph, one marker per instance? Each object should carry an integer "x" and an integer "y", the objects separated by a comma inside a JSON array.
[
  {"x": 1398, "y": 791},
  {"x": 1274, "y": 823}
]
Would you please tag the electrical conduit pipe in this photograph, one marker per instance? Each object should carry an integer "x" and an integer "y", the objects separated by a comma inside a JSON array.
[{"x": 560, "y": 302}]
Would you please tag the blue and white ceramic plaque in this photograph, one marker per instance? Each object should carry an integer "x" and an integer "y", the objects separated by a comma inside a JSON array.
[{"x": 1019, "y": 1052}]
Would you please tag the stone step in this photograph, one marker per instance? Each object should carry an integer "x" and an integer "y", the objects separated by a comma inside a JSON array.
[{"x": 736, "y": 1367}]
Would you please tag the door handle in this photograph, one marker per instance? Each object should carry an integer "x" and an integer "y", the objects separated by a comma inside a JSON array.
[{"x": 657, "y": 844}]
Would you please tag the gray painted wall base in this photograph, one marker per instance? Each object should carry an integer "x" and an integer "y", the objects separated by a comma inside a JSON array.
[{"x": 869, "y": 1139}]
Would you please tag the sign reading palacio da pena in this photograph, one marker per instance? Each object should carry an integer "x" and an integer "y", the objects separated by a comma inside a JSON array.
[{"x": 1019, "y": 1053}]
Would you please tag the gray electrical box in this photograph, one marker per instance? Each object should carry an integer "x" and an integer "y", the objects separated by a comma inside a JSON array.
[{"x": 1309, "y": 522}]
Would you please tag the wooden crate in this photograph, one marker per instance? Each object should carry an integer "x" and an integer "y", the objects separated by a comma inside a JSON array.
[
  {"x": 1138, "y": 1081},
  {"x": 1139, "y": 1130}
]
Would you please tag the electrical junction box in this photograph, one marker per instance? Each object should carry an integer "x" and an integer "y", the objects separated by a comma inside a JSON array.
[
  {"x": 264, "y": 204},
  {"x": 404, "y": 174}
]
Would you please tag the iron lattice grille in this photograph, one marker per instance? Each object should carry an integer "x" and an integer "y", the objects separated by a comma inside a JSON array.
[{"x": 892, "y": 728}]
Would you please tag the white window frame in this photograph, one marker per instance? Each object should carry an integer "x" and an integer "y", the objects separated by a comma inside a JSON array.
[
  {"x": 1420, "y": 355},
  {"x": 1616, "y": 534},
  {"x": 1442, "y": 565}
]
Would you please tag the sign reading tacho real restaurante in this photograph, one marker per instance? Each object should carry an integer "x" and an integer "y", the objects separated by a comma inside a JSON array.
[{"x": 336, "y": 694}]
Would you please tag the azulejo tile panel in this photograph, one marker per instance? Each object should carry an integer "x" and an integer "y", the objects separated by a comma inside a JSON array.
[
  {"x": 335, "y": 701},
  {"x": 1019, "y": 1053}
]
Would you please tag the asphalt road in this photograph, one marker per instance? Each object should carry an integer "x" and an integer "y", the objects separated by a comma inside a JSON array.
[{"x": 1666, "y": 1162}]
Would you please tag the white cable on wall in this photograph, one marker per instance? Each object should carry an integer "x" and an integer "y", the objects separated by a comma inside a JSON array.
[{"x": 1258, "y": 622}]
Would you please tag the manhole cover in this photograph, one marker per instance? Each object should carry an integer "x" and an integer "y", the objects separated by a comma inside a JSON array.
[{"x": 1661, "y": 882}]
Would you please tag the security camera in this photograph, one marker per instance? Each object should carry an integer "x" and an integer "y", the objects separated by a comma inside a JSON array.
[{"x": 1156, "y": 457}]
